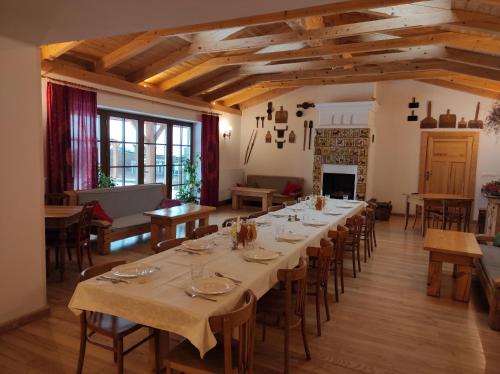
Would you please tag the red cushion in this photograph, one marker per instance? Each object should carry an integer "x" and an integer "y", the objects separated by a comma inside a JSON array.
[
  {"x": 291, "y": 188},
  {"x": 99, "y": 213},
  {"x": 168, "y": 203}
]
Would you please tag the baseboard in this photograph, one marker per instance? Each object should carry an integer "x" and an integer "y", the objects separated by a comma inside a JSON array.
[{"x": 23, "y": 320}]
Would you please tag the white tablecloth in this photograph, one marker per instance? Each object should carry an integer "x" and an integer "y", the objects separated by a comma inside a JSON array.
[{"x": 161, "y": 303}]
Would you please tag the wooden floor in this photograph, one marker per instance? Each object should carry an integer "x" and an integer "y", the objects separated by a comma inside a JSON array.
[{"x": 384, "y": 323}]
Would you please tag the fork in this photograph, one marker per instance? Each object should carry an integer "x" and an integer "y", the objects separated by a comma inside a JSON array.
[
  {"x": 235, "y": 281},
  {"x": 193, "y": 295}
]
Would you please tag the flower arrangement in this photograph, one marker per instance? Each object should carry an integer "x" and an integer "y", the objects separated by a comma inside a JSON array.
[
  {"x": 492, "y": 123},
  {"x": 491, "y": 189}
]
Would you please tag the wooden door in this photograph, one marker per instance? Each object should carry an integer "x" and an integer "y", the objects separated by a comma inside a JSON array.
[{"x": 448, "y": 162}]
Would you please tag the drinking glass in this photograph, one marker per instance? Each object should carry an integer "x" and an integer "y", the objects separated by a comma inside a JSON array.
[
  {"x": 346, "y": 197},
  {"x": 197, "y": 271},
  {"x": 279, "y": 229}
]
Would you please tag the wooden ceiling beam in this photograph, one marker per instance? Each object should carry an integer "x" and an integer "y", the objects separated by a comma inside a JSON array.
[
  {"x": 213, "y": 83},
  {"x": 477, "y": 43},
  {"x": 473, "y": 81},
  {"x": 326, "y": 33},
  {"x": 53, "y": 51},
  {"x": 474, "y": 71},
  {"x": 242, "y": 95},
  {"x": 103, "y": 81},
  {"x": 187, "y": 75},
  {"x": 463, "y": 88},
  {"x": 305, "y": 24},
  {"x": 472, "y": 58},
  {"x": 267, "y": 96}
]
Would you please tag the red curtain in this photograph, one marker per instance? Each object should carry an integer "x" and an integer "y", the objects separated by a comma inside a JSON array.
[
  {"x": 71, "y": 138},
  {"x": 209, "y": 160}
]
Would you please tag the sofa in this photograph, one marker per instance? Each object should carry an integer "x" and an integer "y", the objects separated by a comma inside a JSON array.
[
  {"x": 125, "y": 205},
  {"x": 488, "y": 271},
  {"x": 278, "y": 183}
]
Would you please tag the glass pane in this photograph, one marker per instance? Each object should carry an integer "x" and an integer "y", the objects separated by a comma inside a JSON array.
[
  {"x": 161, "y": 134},
  {"x": 131, "y": 154},
  {"x": 116, "y": 129},
  {"x": 161, "y": 155},
  {"x": 176, "y": 174},
  {"x": 176, "y": 135},
  {"x": 186, "y": 152},
  {"x": 175, "y": 190},
  {"x": 98, "y": 127},
  {"x": 131, "y": 130},
  {"x": 117, "y": 175},
  {"x": 161, "y": 174},
  {"x": 149, "y": 132},
  {"x": 98, "y": 152},
  {"x": 115, "y": 154},
  {"x": 176, "y": 154},
  {"x": 186, "y": 135},
  {"x": 149, "y": 154},
  {"x": 130, "y": 176},
  {"x": 149, "y": 174}
]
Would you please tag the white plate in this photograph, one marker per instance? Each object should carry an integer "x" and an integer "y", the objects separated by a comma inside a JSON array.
[
  {"x": 333, "y": 213},
  {"x": 279, "y": 214},
  {"x": 291, "y": 237},
  {"x": 263, "y": 223},
  {"x": 197, "y": 245},
  {"x": 260, "y": 254},
  {"x": 133, "y": 270},
  {"x": 314, "y": 222},
  {"x": 212, "y": 285},
  {"x": 344, "y": 206}
]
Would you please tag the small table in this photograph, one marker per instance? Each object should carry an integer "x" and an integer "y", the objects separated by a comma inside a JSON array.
[
  {"x": 458, "y": 248},
  {"x": 266, "y": 194},
  {"x": 171, "y": 217},
  {"x": 60, "y": 218}
]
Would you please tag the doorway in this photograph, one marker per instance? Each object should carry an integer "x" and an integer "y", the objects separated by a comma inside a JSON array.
[{"x": 448, "y": 162}]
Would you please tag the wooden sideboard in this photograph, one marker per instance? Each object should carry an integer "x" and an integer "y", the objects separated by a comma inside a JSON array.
[{"x": 493, "y": 216}]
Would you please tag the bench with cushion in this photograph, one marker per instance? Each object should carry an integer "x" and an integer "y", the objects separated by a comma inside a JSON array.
[
  {"x": 278, "y": 183},
  {"x": 488, "y": 270},
  {"x": 125, "y": 205}
]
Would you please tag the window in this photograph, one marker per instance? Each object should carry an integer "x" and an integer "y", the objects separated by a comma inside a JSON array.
[{"x": 136, "y": 149}]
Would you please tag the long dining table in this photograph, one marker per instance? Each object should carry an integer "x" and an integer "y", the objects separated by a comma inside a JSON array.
[{"x": 159, "y": 301}]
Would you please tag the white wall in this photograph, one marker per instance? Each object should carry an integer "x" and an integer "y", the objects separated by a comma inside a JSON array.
[
  {"x": 398, "y": 141},
  {"x": 22, "y": 250},
  {"x": 229, "y": 168},
  {"x": 292, "y": 160}
]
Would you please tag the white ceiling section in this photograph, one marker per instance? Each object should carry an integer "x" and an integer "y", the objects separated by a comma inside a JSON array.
[{"x": 51, "y": 21}]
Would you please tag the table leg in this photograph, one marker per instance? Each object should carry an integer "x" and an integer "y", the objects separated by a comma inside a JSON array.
[
  {"x": 434, "y": 277},
  {"x": 265, "y": 202},
  {"x": 63, "y": 236},
  {"x": 462, "y": 283},
  {"x": 158, "y": 347},
  {"x": 155, "y": 235},
  {"x": 189, "y": 227},
  {"x": 203, "y": 221},
  {"x": 235, "y": 202},
  {"x": 171, "y": 231},
  {"x": 407, "y": 215}
]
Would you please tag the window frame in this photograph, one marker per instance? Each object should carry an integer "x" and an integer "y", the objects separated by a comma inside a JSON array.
[{"x": 105, "y": 115}]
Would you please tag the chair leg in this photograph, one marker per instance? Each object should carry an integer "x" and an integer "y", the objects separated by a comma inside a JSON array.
[
  {"x": 374, "y": 235},
  {"x": 327, "y": 307},
  {"x": 354, "y": 261},
  {"x": 287, "y": 349},
  {"x": 318, "y": 314},
  {"x": 304, "y": 337},
  {"x": 47, "y": 262},
  {"x": 336, "y": 284},
  {"x": 341, "y": 268},
  {"x": 78, "y": 251},
  {"x": 119, "y": 358},
  {"x": 83, "y": 343},
  {"x": 359, "y": 257},
  {"x": 89, "y": 255},
  {"x": 158, "y": 359},
  {"x": 365, "y": 243},
  {"x": 115, "y": 351},
  {"x": 70, "y": 257}
]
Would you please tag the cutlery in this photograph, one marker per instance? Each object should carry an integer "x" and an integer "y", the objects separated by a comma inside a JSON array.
[
  {"x": 220, "y": 275},
  {"x": 111, "y": 279},
  {"x": 187, "y": 251},
  {"x": 256, "y": 261},
  {"x": 278, "y": 252},
  {"x": 193, "y": 295}
]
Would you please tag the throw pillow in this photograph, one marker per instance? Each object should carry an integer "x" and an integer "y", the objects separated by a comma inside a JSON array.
[
  {"x": 168, "y": 203},
  {"x": 496, "y": 240},
  {"x": 100, "y": 213},
  {"x": 291, "y": 188}
]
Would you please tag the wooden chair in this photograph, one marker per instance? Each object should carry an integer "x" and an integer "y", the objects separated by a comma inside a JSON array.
[
  {"x": 56, "y": 199},
  {"x": 202, "y": 231},
  {"x": 338, "y": 238},
  {"x": 274, "y": 208},
  {"x": 78, "y": 237},
  {"x": 230, "y": 355},
  {"x": 318, "y": 277},
  {"x": 257, "y": 214},
  {"x": 287, "y": 304},
  {"x": 168, "y": 244},
  {"x": 374, "y": 221},
  {"x": 456, "y": 212},
  {"x": 116, "y": 328},
  {"x": 366, "y": 231},
  {"x": 352, "y": 243}
]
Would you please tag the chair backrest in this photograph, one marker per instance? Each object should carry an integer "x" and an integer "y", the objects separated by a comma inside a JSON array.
[
  {"x": 355, "y": 226},
  {"x": 243, "y": 319},
  {"x": 94, "y": 271},
  {"x": 168, "y": 244},
  {"x": 85, "y": 221},
  {"x": 369, "y": 215},
  {"x": 274, "y": 208},
  {"x": 323, "y": 255},
  {"x": 257, "y": 214},
  {"x": 56, "y": 199},
  {"x": 294, "y": 282},
  {"x": 338, "y": 238},
  {"x": 202, "y": 231}
]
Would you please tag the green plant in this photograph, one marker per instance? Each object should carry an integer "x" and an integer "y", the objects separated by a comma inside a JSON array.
[
  {"x": 104, "y": 181},
  {"x": 192, "y": 184}
]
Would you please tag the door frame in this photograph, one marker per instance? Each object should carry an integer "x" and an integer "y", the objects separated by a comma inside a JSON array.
[{"x": 448, "y": 134}]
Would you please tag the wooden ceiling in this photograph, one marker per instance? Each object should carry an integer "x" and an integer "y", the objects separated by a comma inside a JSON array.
[{"x": 231, "y": 65}]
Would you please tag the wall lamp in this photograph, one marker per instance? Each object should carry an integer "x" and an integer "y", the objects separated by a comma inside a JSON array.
[{"x": 226, "y": 134}]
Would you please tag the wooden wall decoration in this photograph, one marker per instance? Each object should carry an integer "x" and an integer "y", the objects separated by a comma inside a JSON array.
[{"x": 342, "y": 147}]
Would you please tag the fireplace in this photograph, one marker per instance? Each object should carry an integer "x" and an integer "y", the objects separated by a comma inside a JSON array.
[{"x": 339, "y": 180}]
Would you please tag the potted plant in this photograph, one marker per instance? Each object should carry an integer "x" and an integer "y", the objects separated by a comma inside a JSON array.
[
  {"x": 104, "y": 181},
  {"x": 191, "y": 188},
  {"x": 491, "y": 189}
]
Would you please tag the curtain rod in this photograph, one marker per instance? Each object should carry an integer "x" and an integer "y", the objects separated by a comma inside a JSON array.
[{"x": 77, "y": 85}]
